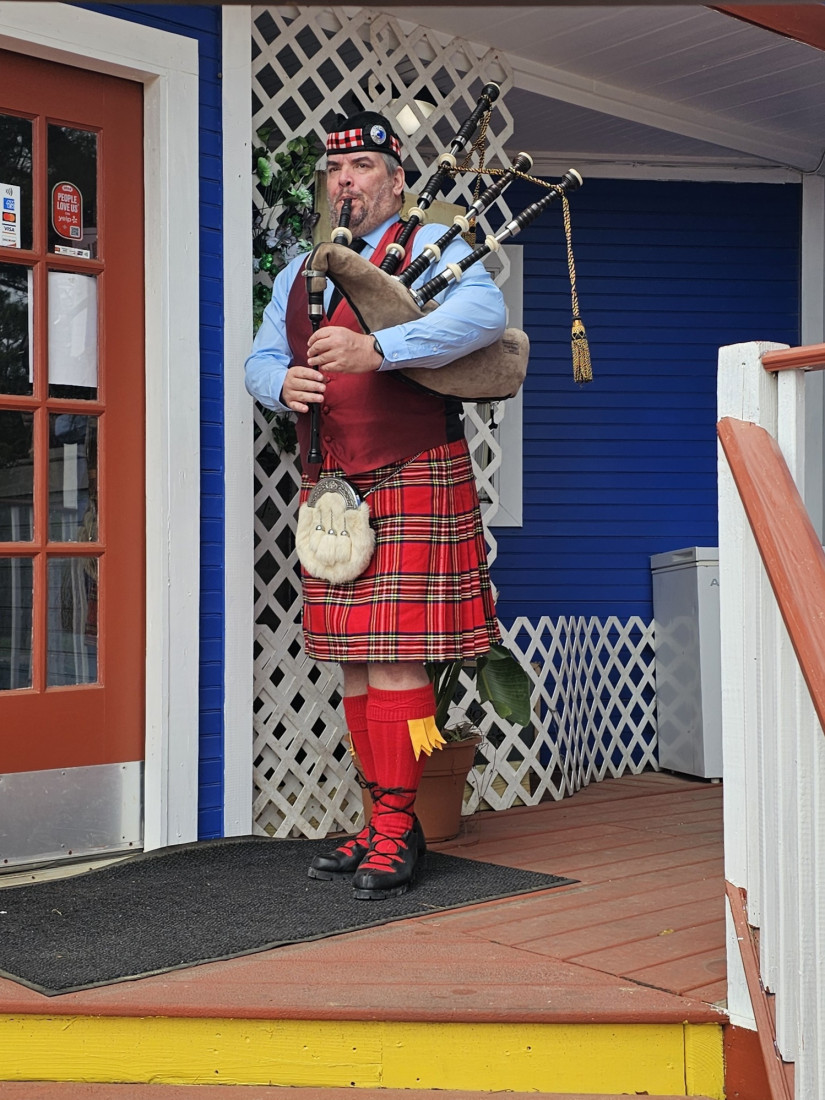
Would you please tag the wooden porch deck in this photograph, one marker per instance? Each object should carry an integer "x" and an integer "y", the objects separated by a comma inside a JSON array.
[{"x": 639, "y": 939}]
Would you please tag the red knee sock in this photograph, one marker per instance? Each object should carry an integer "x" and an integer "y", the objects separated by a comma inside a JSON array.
[
  {"x": 389, "y": 714},
  {"x": 355, "y": 712}
]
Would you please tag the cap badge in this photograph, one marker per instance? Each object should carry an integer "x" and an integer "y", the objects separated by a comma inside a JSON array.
[{"x": 378, "y": 134}]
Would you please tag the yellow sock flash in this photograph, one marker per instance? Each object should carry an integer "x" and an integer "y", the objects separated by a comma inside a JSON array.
[{"x": 425, "y": 736}]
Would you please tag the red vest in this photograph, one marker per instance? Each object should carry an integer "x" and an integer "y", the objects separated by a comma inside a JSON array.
[{"x": 367, "y": 420}]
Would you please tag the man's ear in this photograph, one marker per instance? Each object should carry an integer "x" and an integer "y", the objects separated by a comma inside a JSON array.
[{"x": 398, "y": 181}]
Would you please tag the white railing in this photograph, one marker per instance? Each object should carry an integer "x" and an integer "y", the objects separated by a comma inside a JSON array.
[{"x": 772, "y": 590}]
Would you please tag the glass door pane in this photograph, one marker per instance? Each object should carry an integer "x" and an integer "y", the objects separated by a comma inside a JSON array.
[
  {"x": 15, "y": 182},
  {"x": 73, "y": 359},
  {"x": 72, "y": 192},
  {"x": 72, "y": 478},
  {"x": 16, "y": 601},
  {"x": 16, "y": 476},
  {"x": 71, "y": 656},
  {"x": 16, "y": 373}
]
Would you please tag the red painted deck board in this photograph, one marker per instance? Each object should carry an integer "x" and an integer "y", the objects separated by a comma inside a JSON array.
[{"x": 647, "y": 851}]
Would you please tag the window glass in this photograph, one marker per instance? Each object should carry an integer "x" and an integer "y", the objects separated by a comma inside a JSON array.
[
  {"x": 16, "y": 475},
  {"x": 15, "y": 623},
  {"x": 72, "y": 478},
  {"x": 15, "y": 182},
  {"x": 71, "y": 656},
  {"x": 15, "y": 329},
  {"x": 72, "y": 335},
  {"x": 72, "y": 192}
]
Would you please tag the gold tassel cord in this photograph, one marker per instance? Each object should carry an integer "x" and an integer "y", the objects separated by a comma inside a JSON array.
[
  {"x": 425, "y": 736},
  {"x": 582, "y": 367},
  {"x": 582, "y": 364}
]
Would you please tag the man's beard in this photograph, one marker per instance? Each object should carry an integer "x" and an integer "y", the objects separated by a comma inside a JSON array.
[{"x": 368, "y": 215}]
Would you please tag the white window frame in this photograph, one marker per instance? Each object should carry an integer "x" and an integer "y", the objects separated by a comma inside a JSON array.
[{"x": 167, "y": 66}]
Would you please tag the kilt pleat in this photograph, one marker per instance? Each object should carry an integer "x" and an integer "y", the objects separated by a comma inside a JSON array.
[{"x": 426, "y": 594}]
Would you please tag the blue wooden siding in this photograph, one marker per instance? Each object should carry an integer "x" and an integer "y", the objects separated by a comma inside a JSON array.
[
  {"x": 625, "y": 467},
  {"x": 204, "y": 24}
]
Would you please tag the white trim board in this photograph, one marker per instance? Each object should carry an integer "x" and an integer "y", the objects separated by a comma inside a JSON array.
[
  {"x": 645, "y": 167},
  {"x": 167, "y": 65},
  {"x": 239, "y": 459}
]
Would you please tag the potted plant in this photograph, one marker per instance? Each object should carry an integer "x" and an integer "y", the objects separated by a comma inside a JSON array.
[{"x": 501, "y": 681}]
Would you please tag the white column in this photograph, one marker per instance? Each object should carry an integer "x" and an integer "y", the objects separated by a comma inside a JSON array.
[{"x": 239, "y": 585}]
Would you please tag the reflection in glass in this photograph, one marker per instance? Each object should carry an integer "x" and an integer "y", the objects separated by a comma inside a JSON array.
[
  {"x": 72, "y": 335},
  {"x": 16, "y": 181},
  {"x": 72, "y": 478},
  {"x": 72, "y": 191},
  {"x": 15, "y": 329},
  {"x": 15, "y": 623},
  {"x": 16, "y": 476},
  {"x": 71, "y": 647}
]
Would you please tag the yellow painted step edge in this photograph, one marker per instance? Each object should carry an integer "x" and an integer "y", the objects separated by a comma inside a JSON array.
[{"x": 671, "y": 1059}]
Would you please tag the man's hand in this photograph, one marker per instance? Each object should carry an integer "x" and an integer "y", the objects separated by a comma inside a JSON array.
[
  {"x": 302, "y": 387},
  {"x": 336, "y": 350}
]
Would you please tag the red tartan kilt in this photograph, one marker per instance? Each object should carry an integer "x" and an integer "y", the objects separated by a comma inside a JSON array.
[{"x": 426, "y": 594}]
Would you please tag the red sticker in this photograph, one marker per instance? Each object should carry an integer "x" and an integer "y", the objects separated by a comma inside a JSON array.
[{"x": 67, "y": 211}]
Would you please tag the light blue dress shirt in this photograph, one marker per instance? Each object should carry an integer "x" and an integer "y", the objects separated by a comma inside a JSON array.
[{"x": 471, "y": 314}]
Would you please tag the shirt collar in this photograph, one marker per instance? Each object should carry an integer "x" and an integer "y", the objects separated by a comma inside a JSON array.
[{"x": 374, "y": 236}]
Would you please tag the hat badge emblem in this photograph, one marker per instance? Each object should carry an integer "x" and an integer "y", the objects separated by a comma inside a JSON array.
[{"x": 378, "y": 134}]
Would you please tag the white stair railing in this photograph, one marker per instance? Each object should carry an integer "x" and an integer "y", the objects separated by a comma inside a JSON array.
[{"x": 773, "y": 743}]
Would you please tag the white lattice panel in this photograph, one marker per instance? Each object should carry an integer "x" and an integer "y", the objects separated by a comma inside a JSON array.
[{"x": 593, "y": 683}]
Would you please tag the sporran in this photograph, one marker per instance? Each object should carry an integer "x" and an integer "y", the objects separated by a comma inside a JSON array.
[{"x": 334, "y": 540}]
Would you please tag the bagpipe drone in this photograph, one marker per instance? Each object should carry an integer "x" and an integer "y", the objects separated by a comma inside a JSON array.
[{"x": 381, "y": 299}]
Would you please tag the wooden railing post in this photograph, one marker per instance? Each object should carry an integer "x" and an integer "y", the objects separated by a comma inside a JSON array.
[
  {"x": 744, "y": 391},
  {"x": 772, "y": 589}
]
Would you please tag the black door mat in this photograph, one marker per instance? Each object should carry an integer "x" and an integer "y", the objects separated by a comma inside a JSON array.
[{"x": 213, "y": 900}]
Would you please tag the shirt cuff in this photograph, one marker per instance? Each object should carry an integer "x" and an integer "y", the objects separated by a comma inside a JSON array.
[{"x": 394, "y": 348}]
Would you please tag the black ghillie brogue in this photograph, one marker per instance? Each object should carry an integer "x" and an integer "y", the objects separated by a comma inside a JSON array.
[
  {"x": 344, "y": 859},
  {"x": 389, "y": 868}
]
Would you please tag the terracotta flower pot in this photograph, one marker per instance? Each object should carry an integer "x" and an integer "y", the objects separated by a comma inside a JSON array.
[{"x": 441, "y": 792}]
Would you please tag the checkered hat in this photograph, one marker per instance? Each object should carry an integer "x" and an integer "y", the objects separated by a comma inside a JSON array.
[{"x": 364, "y": 132}]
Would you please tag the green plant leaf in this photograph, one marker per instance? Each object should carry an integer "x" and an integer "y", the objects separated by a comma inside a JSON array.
[
  {"x": 506, "y": 684},
  {"x": 264, "y": 169}
]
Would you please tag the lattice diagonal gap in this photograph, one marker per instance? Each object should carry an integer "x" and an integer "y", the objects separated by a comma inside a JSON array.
[{"x": 592, "y": 682}]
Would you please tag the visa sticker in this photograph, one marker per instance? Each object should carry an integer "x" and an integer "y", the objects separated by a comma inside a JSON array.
[{"x": 10, "y": 223}]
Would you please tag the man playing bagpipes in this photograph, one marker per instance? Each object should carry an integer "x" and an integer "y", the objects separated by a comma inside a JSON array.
[{"x": 425, "y": 593}]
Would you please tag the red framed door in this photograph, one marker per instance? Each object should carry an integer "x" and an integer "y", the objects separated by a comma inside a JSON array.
[{"x": 72, "y": 592}]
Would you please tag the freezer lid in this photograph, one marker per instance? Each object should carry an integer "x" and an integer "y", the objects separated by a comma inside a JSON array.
[{"x": 691, "y": 555}]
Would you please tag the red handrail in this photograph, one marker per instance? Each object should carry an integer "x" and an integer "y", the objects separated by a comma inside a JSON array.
[
  {"x": 811, "y": 357},
  {"x": 790, "y": 549}
]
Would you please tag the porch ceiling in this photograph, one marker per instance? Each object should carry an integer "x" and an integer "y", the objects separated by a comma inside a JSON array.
[{"x": 653, "y": 84}]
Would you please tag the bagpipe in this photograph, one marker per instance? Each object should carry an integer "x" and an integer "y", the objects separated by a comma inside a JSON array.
[{"x": 381, "y": 299}]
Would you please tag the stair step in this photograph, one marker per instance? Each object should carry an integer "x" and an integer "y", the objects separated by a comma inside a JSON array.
[{"x": 70, "y": 1090}]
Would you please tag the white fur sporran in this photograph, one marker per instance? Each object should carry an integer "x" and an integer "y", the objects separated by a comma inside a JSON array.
[{"x": 334, "y": 540}]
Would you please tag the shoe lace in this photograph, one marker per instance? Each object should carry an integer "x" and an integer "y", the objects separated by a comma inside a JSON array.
[{"x": 387, "y": 851}]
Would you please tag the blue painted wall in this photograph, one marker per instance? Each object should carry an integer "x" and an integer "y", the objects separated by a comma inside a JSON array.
[
  {"x": 625, "y": 467},
  {"x": 204, "y": 24}
]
